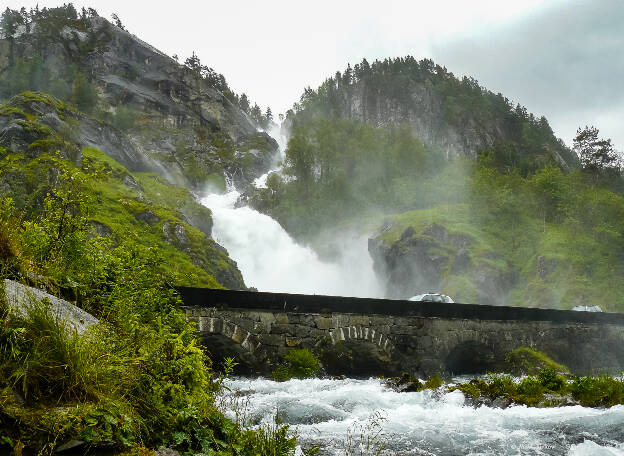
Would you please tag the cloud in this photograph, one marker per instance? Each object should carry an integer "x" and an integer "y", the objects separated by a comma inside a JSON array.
[{"x": 565, "y": 61}]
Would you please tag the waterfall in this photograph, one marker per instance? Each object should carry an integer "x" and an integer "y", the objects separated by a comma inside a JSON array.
[{"x": 271, "y": 260}]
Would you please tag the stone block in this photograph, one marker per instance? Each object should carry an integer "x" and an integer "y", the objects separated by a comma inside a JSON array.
[
  {"x": 267, "y": 318},
  {"x": 340, "y": 320},
  {"x": 281, "y": 318},
  {"x": 377, "y": 320},
  {"x": 274, "y": 340},
  {"x": 278, "y": 328},
  {"x": 301, "y": 330},
  {"x": 244, "y": 323},
  {"x": 211, "y": 325},
  {"x": 359, "y": 320},
  {"x": 323, "y": 322},
  {"x": 293, "y": 341},
  {"x": 239, "y": 334},
  {"x": 261, "y": 328},
  {"x": 253, "y": 316}
]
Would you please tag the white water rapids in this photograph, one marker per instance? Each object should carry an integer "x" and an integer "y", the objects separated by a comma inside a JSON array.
[{"x": 359, "y": 417}]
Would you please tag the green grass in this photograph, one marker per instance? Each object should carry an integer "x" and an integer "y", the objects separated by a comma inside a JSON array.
[{"x": 298, "y": 363}]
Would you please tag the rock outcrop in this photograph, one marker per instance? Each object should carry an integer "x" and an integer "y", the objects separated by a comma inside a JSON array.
[
  {"x": 183, "y": 126},
  {"x": 432, "y": 261},
  {"x": 21, "y": 297}
]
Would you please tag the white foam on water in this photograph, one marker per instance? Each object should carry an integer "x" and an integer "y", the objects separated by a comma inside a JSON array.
[{"x": 338, "y": 414}]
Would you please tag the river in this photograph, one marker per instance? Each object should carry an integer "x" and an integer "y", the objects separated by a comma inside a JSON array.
[{"x": 360, "y": 417}]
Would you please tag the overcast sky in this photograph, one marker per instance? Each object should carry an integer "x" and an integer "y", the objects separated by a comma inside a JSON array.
[{"x": 560, "y": 58}]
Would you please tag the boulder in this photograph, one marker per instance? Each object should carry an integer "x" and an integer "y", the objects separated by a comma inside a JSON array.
[{"x": 20, "y": 297}]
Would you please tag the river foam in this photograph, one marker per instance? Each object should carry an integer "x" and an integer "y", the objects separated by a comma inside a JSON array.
[{"x": 344, "y": 415}]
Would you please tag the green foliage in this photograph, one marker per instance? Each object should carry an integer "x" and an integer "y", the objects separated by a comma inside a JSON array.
[
  {"x": 84, "y": 95},
  {"x": 433, "y": 382},
  {"x": 298, "y": 363},
  {"x": 137, "y": 377},
  {"x": 124, "y": 118},
  {"x": 525, "y": 360},
  {"x": 601, "y": 391},
  {"x": 341, "y": 168}
]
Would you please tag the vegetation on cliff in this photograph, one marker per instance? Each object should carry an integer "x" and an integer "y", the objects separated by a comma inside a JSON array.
[
  {"x": 181, "y": 115},
  {"x": 525, "y": 221},
  {"x": 117, "y": 204},
  {"x": 115, "y": 243}
]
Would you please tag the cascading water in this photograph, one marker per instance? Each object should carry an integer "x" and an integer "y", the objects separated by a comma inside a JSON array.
[
  {"x": 271, "y": 260},
  {"x": 359, "y": 417}
]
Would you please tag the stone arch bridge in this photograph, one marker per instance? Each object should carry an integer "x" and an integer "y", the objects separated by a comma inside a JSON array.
[{"x": 359, "y": 336}]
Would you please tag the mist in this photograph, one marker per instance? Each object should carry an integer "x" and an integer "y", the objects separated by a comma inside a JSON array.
[{"x": 271, "y": 260}]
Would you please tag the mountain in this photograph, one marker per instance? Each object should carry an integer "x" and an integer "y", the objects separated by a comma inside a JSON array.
[
  {"x": 463, "y": 193},
  {"x": 81, "y": 92},
  {"x": 180, "y": 120},
  {"x": 455, "y": 117}
]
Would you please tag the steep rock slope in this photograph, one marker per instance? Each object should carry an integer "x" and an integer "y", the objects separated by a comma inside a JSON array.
[
  {"x": 179, "y": 120},
  {"x": 40, "y": 135},
  {"x": 456, "y": 117}
]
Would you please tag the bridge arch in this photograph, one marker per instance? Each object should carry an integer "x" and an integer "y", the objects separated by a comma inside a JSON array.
[
  {"x": 362, "y": 333},
  {"x": 215, "y": 325},
  {"x": 470, "y": 357}
]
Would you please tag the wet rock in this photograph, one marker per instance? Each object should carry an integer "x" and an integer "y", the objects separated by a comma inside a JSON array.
[
  {"x": 163, "y": 451},
  {"x": 462, "y": 260},
  {"x": 52, "y": 120},
  {"x": 71, "y": 446},
  {"x": 175, "y": 234},
  {"x": 404, "y": 384},
  {"x": 101, "y": 229},
  {"x": 20, "y": 297},
  {"x": 130, "y": 182},
  {"x": 148, "y": 216},
  {"x": 408, "y": 233}
]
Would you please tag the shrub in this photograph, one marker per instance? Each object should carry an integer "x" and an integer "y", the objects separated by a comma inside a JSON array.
[
  {"x": 298, "y": 363},
  {"x": 602, "y": 391},
  {"x": 529, "y": 391},
  {"x": 433, "y": 382},
  {"x": 550, "y": 380}
]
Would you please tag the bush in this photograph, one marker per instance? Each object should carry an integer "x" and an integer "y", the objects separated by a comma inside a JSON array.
[
  {"x": 550, "y": 380},
  {"x": 602, "y": 391},
  {"x": 299, "y": 363},
  {"x": 124, "y": 118}
]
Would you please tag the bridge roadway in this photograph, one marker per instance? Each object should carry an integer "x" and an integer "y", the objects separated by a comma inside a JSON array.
[{"x": 361, "y": 336}]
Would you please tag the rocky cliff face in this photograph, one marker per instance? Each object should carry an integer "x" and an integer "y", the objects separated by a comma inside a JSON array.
[
  {"x": 184, "y": 128},
  {"x": 435, "y": 260},
  {"x": 423, "y": 111},
  {"x": 129, "y": 200},
  {"x": 453, "y": 116}
]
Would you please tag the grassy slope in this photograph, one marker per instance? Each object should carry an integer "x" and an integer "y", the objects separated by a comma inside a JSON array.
[
  {"x": 199, "y": 261},
  {"x": 582, "y": 269}
]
